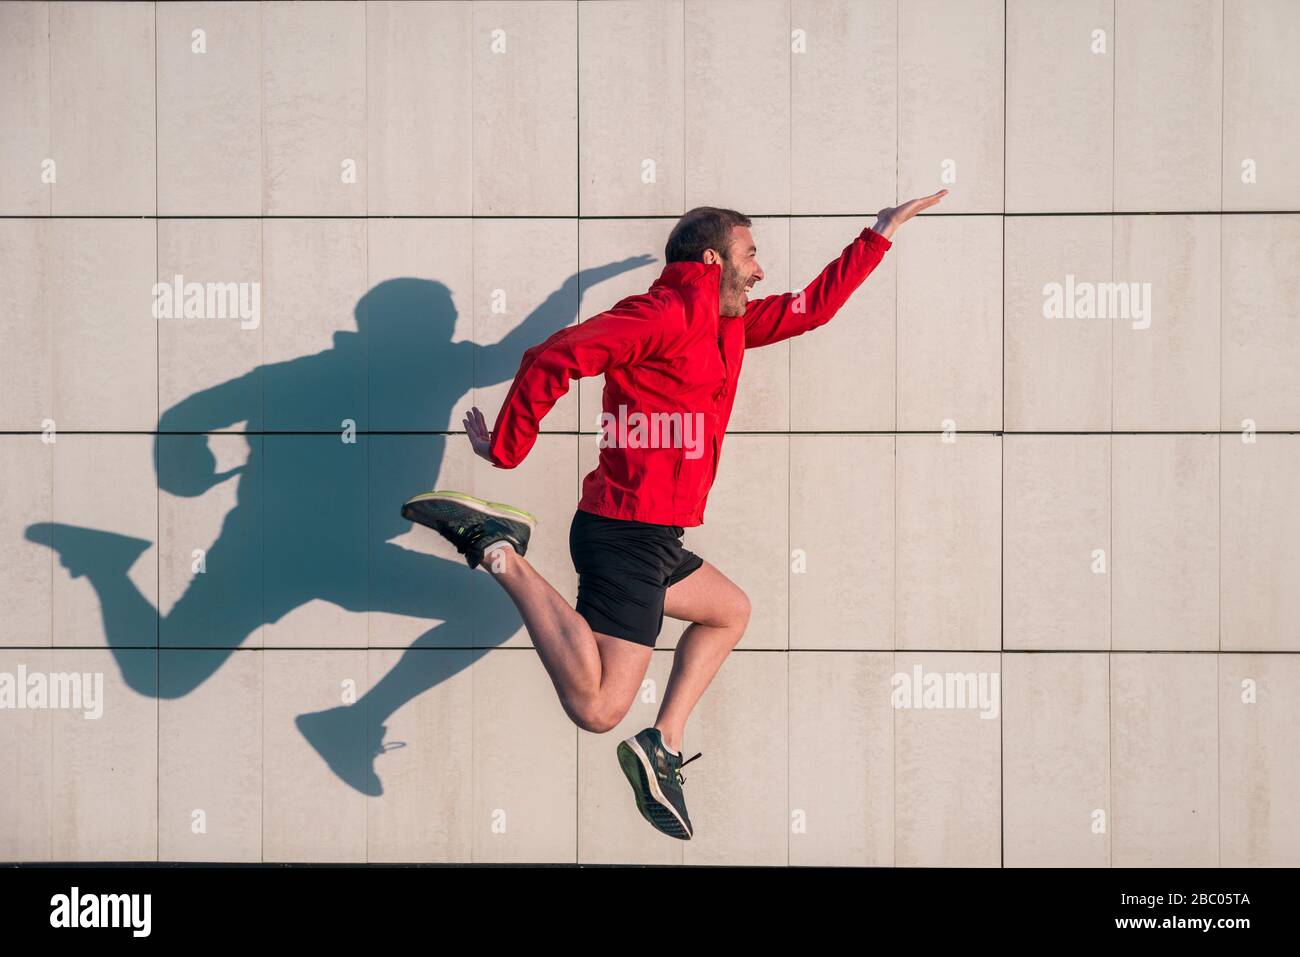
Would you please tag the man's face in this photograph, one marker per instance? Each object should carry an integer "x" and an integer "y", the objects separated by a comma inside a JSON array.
[{"x": 740, "y": 270}]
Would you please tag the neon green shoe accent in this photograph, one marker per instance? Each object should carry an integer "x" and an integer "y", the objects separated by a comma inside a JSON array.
[{"x": 491, "y": 507}]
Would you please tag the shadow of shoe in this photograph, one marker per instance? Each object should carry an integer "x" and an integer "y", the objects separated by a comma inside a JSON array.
[
  {"x": 338, "y": 736},
  {"x": 88, "y": 551}
]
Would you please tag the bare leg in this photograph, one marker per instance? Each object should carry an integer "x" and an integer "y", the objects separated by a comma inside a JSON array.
[
  {"x": 719, "y": 612},
  {"x": 595, "y": 675}
]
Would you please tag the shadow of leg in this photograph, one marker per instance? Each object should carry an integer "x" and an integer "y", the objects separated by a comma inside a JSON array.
[
  {"x": 129, "y": 618},
  {"x": 342, "y": 733}
]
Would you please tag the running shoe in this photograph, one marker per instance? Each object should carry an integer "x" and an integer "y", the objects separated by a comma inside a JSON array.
[
  {"x": 471, "y": 524},
  {"x": 655, "y": 774}
]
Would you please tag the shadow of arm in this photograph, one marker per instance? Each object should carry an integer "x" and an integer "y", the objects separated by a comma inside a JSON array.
[
  {"x": 188, "y": 467},
  {"x": 496, "y": 362},
  {"x": 627, "y": 334}
]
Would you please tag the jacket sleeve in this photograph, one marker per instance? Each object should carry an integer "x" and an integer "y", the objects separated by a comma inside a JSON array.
[
  {"x": 788, "y": 314},
  {"x": 624, "y": 335}
]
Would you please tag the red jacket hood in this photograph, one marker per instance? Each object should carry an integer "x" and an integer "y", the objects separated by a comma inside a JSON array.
[
  {"x": 699, "y": 285},
  {"x": 689, "y": 273}
]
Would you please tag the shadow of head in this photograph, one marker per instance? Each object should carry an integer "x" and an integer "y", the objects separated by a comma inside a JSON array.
[{"x": 406, "y": 326}]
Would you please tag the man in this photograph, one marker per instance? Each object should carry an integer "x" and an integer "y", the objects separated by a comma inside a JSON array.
[{"x": 671, "y": 358}]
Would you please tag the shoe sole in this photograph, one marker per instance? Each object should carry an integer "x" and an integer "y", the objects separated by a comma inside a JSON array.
[
  {"x": 640, "y": 774},
  {"x": 495, "y": 509}
]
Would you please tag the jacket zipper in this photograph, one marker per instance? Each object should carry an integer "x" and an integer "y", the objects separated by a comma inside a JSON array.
[{"x": 726, "y": 369}]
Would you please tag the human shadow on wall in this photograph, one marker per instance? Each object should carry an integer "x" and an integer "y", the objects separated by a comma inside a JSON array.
[{"x": 315, "y": 516}]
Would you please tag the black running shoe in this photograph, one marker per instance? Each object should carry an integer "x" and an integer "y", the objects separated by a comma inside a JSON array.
[
  {"x": 471, "y": 524},
  {"x": 656, "y": 777}
]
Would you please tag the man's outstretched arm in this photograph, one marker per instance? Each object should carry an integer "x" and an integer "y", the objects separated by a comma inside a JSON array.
[{"x": 788, "y": 314}]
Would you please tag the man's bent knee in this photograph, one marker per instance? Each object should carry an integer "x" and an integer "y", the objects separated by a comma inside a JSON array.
[
  {"x": 597, "y": 724},
  {"x": 738, "y": 610},
  {"x": 596, "y": 717}
]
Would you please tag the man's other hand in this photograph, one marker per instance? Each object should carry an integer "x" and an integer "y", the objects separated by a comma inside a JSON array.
[{"x": 479, "y": 436}]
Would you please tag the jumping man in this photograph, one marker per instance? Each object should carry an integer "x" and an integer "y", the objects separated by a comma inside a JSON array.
[{"x": 671, "y": 357}]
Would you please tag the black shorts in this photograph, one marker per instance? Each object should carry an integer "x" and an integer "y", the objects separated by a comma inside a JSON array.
[{"x": 624, "y": 568}]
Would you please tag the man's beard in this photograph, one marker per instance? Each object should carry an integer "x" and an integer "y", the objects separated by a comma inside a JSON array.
[{"x": 733, "y": 292}]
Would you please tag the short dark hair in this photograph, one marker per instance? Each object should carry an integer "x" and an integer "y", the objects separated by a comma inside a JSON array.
[{"x": 704, "y": 227}]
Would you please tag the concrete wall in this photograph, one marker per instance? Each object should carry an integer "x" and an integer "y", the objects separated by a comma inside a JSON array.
[{"x": 1096, "y": 530}]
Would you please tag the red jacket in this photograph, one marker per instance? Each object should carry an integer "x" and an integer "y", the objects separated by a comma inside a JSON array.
[{"x": 666, "y": 351}]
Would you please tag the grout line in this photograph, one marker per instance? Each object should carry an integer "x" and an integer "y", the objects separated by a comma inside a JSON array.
[
  {"x": 49, "y": 141},
  {"x": 672, "y": 217},
  {"x": 592, "y": 434},
  {"x": 261, "y": 260},
  {"x": 577, "y": 107},
  {"x": 1002, "y": 476},
  {"x": 157, "y": 492},
  {"x": 363, "y": 157},
  {"x": 789, "y": 402},
  {"x": 1110, "y": 619},
  {"x": 49, "y": 328},
  {"x": 261, "y": 810},
  {"x": 893, "y": 712},
  {"x": 1223, "y": 80},
  {"x": 1219, "y": 445},
  {"x": 261, "y": 106},
  {"x": 1109, "y": 814},
  {"x": 1218, "y": 758},
  {"x": 810, "y": 649},
  {"x": 577, "y": 390},
  {"x": 473, "y": 395},
  {"x": 366, "y": 758}
]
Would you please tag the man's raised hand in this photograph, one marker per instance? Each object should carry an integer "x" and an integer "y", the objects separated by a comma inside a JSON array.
[{"x": 891, "y": 217}]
